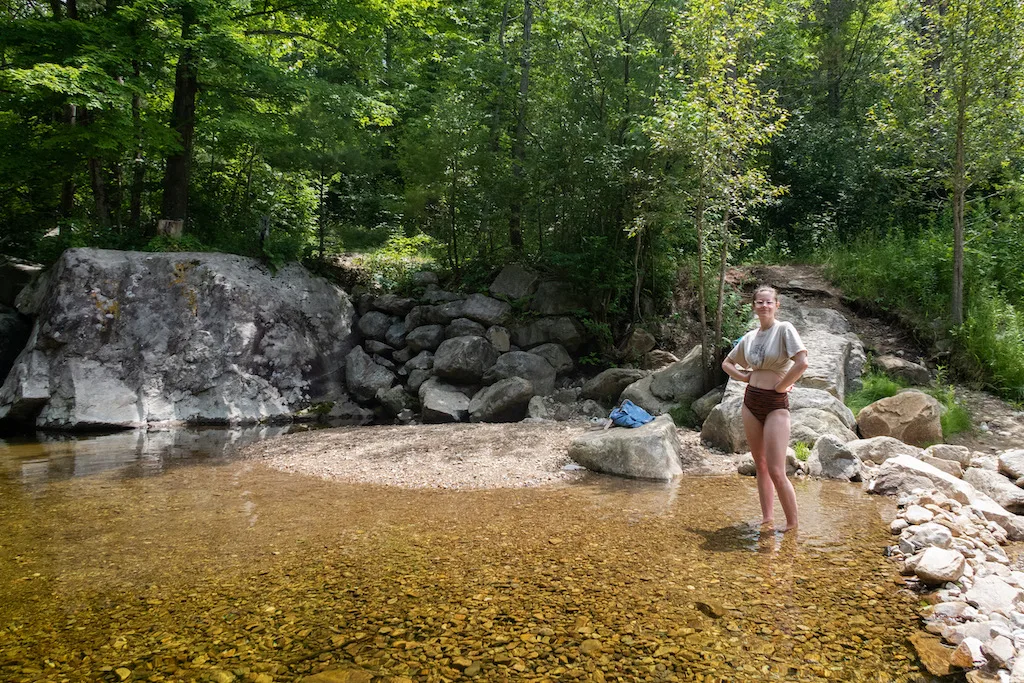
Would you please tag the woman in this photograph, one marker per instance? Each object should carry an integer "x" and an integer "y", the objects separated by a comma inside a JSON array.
[{"x": 776, "y": 357}]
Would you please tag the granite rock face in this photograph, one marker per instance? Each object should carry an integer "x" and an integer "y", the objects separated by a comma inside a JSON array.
[{"x": 122, "y": 339}]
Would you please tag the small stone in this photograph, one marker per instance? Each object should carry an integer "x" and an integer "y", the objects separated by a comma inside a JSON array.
[
  {"x": 590, "y": 646},
  {"x": 123, "y": 674},
  {"x": 915, "y": 514},
  {"x": 999, "y": 651},
  {"x": 219, "y": 676}
]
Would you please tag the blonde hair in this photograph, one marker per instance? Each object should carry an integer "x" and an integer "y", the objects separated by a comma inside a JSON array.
[{"x": 766, "y": 288}]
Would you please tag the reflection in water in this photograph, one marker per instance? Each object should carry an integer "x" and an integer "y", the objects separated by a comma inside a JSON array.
[
  {"x": 52, "y": 456},
  {"x": 115, "y": 563}
]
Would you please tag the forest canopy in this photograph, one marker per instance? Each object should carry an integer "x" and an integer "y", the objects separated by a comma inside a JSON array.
[{"x": 614, "y": 141}]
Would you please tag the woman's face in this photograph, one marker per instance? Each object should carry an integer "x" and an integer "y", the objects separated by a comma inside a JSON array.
[{"x": 765, "y": 306}]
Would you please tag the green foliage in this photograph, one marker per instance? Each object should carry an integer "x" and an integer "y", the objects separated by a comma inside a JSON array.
[
  {"x": 683, "y": 415},
  {"x": 802, "y": 450},
  {"x": 184, "y": 243},
  {"x": 911, "y": 276},
  {"x": 393, "y": 264},
  {"x": 956, "y": 418},
  {"x": 992, "y": 342},
  {"x": 876, "y": 387}
]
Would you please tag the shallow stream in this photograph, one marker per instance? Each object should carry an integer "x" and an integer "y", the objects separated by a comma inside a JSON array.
[{"x": 165, "y": 557}]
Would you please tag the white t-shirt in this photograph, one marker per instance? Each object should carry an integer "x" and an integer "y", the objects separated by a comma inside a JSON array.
[{"x": 769, "y": 349}]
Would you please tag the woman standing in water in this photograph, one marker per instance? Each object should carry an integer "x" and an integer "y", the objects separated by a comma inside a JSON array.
[{"x": 775, "y": 358}]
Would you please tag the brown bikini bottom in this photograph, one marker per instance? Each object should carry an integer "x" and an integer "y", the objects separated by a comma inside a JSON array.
[{"x": 760, "y": 402}]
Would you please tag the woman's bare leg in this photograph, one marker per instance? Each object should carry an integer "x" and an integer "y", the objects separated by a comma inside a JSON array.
[
  {"x": 775, "y": 441},
  {"x": 765, "y": 491}
]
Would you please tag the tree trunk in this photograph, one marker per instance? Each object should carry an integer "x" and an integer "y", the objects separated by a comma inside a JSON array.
[
  {"x": 959, "y": 199},
  {"x": 138, "y": 163},
  {"x": 720, "y": 306},
  {"x": 99, "y": 192},
  {"x": 67, "y": 190},
  {"x": 515, "y": 227},
  {"x": 453, "y": 216},
  {"x": 960, "y": 178},
  {"x": 183, "y": 121}
]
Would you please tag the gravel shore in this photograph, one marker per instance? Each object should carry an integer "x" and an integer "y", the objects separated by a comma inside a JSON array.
[
  {"x": 462, "y": 456},
  {"x": 429, "y": 456}
]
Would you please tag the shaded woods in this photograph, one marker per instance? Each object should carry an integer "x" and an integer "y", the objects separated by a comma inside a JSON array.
[{"x": 614, "y": 142}]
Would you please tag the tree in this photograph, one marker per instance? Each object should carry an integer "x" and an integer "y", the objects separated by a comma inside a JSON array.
[
  {"x": 711, "y": 121},
  {"x": 955, "y": 100}
]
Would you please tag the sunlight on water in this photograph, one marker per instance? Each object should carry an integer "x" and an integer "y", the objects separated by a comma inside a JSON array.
[{"x": 161, "y": 556}]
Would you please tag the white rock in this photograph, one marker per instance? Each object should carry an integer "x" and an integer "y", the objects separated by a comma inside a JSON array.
[
  {"x": 994, "y": 594},
  {"x": 972, "y": 648},
  {"x": 999, "y": 651},
  {"x": 1017, "y": 673},
  {"x": 939, "y": 565},
  {"x": 897, "y": 525},
  {"x": 931, "y": 534},
  {"x": 915, "y": 514},
  {"x": 957, "y": 454}
]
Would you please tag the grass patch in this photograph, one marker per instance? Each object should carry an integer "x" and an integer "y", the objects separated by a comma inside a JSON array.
[
  {"x": 802, "y": 450},
  {"x": 877, "y": 386},
  {"x": 957, "y": 418}
]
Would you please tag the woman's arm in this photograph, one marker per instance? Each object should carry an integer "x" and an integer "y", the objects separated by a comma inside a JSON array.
[
  {"x": 734, "y": 371},
  {"x": 795, "y": 371}
]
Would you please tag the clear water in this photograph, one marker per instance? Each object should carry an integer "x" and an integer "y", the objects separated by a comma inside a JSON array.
[{"x": 164, "y": 556}]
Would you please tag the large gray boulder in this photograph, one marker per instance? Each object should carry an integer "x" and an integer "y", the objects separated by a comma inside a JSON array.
[
  {"x": 514, "y": 282},
  {"x": 830, "y": 458},
  {"x": 835, "y": 355},
  {"x": 129, "y": 338},
  {"x": 813, "y": 413},
  {"x": 649, "y": 452},
  {"x": 702, "y": 406},
  {"x": 910, "y": 416},
  {"x": 425, "y": 338},
  {"x": 365, "y": 377},
  {"x": 555, "y": 298},
  {"x": 464, "y": 327},
  {"x": 503, "y": 401},
  {"x": 829, "y": 357},
  {"x": 998, "y": 487},
  {"x": 900, "y": 368},
  {"x": 606, "y": 386},
  {"x": 392, "y": 304},
  {"x": 559, "y": 330},
  {"x": 904, "y": 473},
  {"x": 442, "y": 402},
  {"x": 14, "y": 333},
  {"x": 374, "y": 325},
  {"x": 1011, "y": 463},
  {"x": 878, "y": 449},
  {"x": 639, "y": 392},
  {"x": 680, "y": 381},
  {"x": 525, "y": 365},
  {"x": 464, "y": 360},
  {"x": 485, "y": 310},
  {"x": 556, "y": 355}
]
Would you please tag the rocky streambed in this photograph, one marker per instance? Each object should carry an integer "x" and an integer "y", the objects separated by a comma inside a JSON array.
[{"x": 184, "y": 564}]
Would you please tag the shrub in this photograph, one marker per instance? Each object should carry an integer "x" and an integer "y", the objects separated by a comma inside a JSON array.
[
  {"x": 393, "y": 264},
  {"x": 802, "y": 450},
  {"x": 876, "y": 386}
]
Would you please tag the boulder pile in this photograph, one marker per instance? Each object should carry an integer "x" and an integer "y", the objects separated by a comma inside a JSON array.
[{"x": 976, "y": 616}]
